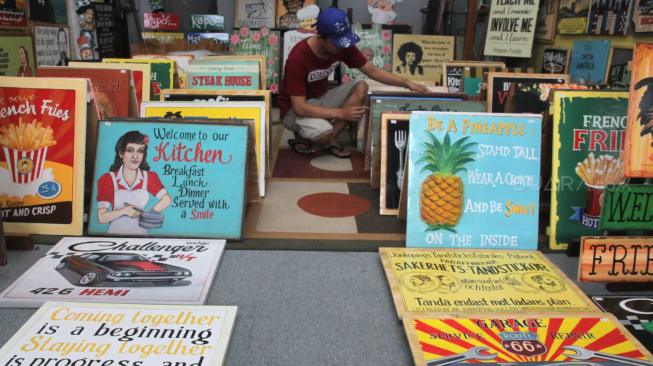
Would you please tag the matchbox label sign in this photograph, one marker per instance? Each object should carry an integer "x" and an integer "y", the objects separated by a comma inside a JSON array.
[{"x": 126, "y": 270}]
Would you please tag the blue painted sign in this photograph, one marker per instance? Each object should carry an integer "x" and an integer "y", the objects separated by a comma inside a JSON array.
[
  {"x": 169, "y": 179},
  {"x": 589, "y": 61},
  {"x": 473, "y": 180}
]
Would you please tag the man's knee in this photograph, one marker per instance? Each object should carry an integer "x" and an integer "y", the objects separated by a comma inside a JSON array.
[{"x": 360, "y": 90}]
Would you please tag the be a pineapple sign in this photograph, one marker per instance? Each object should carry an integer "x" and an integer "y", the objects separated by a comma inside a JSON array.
[{"x": 473, "y": 180}]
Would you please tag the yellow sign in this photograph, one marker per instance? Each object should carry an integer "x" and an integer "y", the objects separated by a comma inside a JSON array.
[
  {"x": 420, "y": 58},
  {"x": 461, "y": 281}
]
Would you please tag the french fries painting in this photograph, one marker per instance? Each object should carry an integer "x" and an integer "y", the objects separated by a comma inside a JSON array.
[
  {"x": 25, "y": 146},
  {"x": 597, "y": 174}
]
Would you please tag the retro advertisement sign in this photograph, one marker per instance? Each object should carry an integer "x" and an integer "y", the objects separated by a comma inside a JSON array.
[
  {"x": 125, "y": 270},
  {"x": 475, "y": 281},
  {"x": 13, "y": 14},
  {"x": 615, "y": 259},
  {"x": 158, "y": 179},
  {"x": 140, "y": 74},
  {"x": 420, "y": 58},
  {"x": 162, "y": 72},
  {"x": 627, "y": 207},
  {"x": 638, "y": 151},
  {"x": 511, "y": 28},
  {"x": 573, "y": 16},
  {"x": 635, "y": 313},
  {"x": 42, "y": 136},
  {"x": 466, "y": 168},
  {"x": 230, "y": 75},
  {"x": 493, "y": 339},
  {"x": 16, "y": 56},
  {"x": 122, "y": 334},
  {"x": 588, "y": 137}
]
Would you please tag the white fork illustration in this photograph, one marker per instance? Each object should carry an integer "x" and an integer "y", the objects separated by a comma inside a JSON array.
[{"x": 400, "y": 144}]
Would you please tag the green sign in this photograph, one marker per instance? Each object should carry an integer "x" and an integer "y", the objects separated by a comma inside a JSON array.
[
  {"x": 376, "y": 46},
  {"x": 588, "y": 131},
  {"x": 206, "y": 22},
  {"x": 628, "y": 207},
  {"x": 245, "y": 41}
]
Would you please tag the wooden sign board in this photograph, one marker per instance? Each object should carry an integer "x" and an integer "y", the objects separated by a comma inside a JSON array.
[
  {"x": 627, "y": 206},
  {"x": 547, "y": 18},
  {"x": 162, "y": 72},
  {"x": 265, "y": 43},
  {"x": 182, "y": 62},
  {"x": 262, "y": 61},
  {"x": 634, "y": 312},
  {"x": 173, "y": 195},
  {"x": 163, "y": 37},
  {"x": 459, "y": 281},
  {"x": 51, "y": 45},
  {"x": 140, "y": 74},
  {"x": 642, "y": 17},
  {"x": 255, "y": 13},
  {"x": 588, "y": 130},
  {"x": 616, "y": 259},
  {"x": 572, "y": 16},
  {"x": 618, "y": 70},
  {"x": 18, "y": 55},
  {"x": 109, "y": 41},
  {"x": 228, "y": 75},
  {"x": 43, "y": 136},
  {"x": 206, "y": 23},
  {"x": 287, "y": 13},
  {"x": 218, "y": 38},
  {"x": 453, "y": 72},
  {"x": 511, "y": 28},
  {"x": 394, "y": 144},
  {"x": 51, "y": 11},
  {"x": 638, "y": 151},
  {"x": 589, "y": 61},
  {"x": 161, "y": 21},
  {"x": 194, "y": 325},
  {"x": 500, "y": 87},
  {"x": 467, "y": 168},
  {"x": 376, "y": 45},
  {"x": 495, "y": 338},
  {"x": 417, "y": 57},
  {"x": 555, "y": 61}
]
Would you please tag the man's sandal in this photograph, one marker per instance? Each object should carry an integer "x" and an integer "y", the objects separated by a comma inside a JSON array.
[
  {"x": 301, "y": 147},
  {"x": 337, "y": 151}
]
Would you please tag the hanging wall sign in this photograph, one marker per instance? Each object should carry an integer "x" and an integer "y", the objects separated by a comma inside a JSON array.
[
  {"x": 555, "y": 61},
  {"x": 588, "y": 137},
  {"x": 416, "y": 57},
  {"x": 42, "y": 135},
  {"x": 511, "y": 28},
  {"x": 572, "y": 17},
  {"x": 589, "y": 61},
  {"x": 547, "y": 17},
  {"x": 638, "y": 150},
  {"x": 161, "y": 22},
  {"x": 635, "y": 313},
  {"x": 475, "y": 281},
  {"x": 469, "y": 168},
  {"x": 52, "y": 45},
  {"x": 627, "y": 206},
  {"x": 615, "y": 259},
  {"x": 158, "y": 180}
]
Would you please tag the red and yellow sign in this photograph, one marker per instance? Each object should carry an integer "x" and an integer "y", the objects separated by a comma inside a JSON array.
[{"x": 533, "y": 340}]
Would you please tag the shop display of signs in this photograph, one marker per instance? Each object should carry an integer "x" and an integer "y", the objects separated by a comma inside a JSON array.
[
  {"x": 560, "y": 339},
  {"x": 635, "y": 313},
  {"x": 141, "y": 75},
  {"x": 50, "y": 11},
  {"x": 555, "y": 61},
  {"x": 206, "y": 23},
  {"x": 16, "y": 56},
  {"x": 638, "y": 150},
  {"x": 255, "y": 13},
  {"x": 468, "y": 168},
  {"x": 42, "y": 133},
  {"x": 52, "y": 45},
  {"x": 82, "y": 22},
  {"x": 241, "y": 110},
  {"x": 263, "y": 42},
  {"x": 122, "y": 334},
  {"x": 217, "y": 38},
  {"x": 375, "y": 45},
  {"x": 618, "y": 71},
  {"x": 615, "y": 259},
  {"x": 161, "y": 21},
  {"x": 642, "y": 16},
  {"x": 589, "y": 61},
  {"x": 588, "y": 132},
  {"x": 627, "y": 206},
  {"x": 288, "y": 11},
  {"x": 162, "y": 72},
  {"x": 510, "y": 92},
  {"x": 610, "y": 17},
  {"x": 394, "y": 142},
  {"x": 572, "y": 16},
  {"x": 419, "y": 57},
  {"x": 547, "y": 17},
  {"x": 453, "y": 74},
  {"x": 170, "y": 193},
  {"x": 13, "y": 14},
  {"x": 511, "y": 28},
  {"x": 126, "y": 270},
  {"x": 454, "y": 281},
  {"x": 231, "y": 75}
]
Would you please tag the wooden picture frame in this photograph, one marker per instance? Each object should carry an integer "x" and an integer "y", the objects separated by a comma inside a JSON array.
[
  {"x": 389, "y": 187},
  {"x": 515, "y": 77},
  {"x": 547, "y": 21}
]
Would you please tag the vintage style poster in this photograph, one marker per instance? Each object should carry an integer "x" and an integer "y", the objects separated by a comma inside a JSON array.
[
  {"x": 140, "y": 74},
  {"x": 417, "y": 57},
  {"x": 618, "y": 72},
  {"x": 555, "y": 61},
  {"x": 13, "y": 14},
  {"x": 589, "y": 61},
  {"x": 638, "y": 150},
  {"x": 162, "y": 72},
  {"x": 48, "y": 11},
  {"x": 635, "y": 313},
  {"x": 394, "y": 143},
  {"x": 453, "y": 281},
  {"x": 126, "y": 270},
  {"x": 466, "y": 168},
  {"x": 561, "y": 339},
  {"x": 42, "y": 134},
  {"x": 610, "y": 17},
  {"x": 240, "y": 110},
  {"x": 82, "y": 18},
  {"x": 16, "y": 56},
  {"x": 230, "y": 75},
  {"x": 511, "y": 28},
  {"x": 206, "y": 23},
  {"x": 375, "y": 45},
  {"x": 627, "y": 207},
  {"x": 264, "y": 42},
  {"x": 171, "y": 191},
  {"x": 288, "y": 12},
  {"x": 588, "y": 137},
  {"x": 616, "y": 259},
  {"x": 255, "y": 13},
  {"x": 52, "y": 45},
  {"x": 122, "y": 334},
  {"x": 453, "y": 73},
  {"x": 547, "y": 18},
  {"x": 642, "y": 16},
  {"x": 518, "y": 93},
  {"x": 573, "y": 16}
]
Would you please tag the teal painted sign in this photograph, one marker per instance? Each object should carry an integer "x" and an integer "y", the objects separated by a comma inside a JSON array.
[
  {"x": 206, "y": 22},
  {"x": 232, "y": 75},
  {"x": 473, "y": 180},
  {"x": 589, "y": 61},
  {"x": 627, "y": 207},
  {"x": 159, "y": 179}
]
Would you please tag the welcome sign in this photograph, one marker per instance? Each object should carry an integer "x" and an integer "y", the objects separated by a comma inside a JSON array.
[
  {"x": 511, "y": 28},
  {"x": 164, "y": 179}
]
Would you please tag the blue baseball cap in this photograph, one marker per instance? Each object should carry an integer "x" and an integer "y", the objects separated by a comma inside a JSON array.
[{"x": 333, "y": 24}]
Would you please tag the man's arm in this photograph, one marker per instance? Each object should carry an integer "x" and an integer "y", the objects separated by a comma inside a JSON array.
[
  {"x": 385, "y": 77},
  {"x": 304, "y": 109}
]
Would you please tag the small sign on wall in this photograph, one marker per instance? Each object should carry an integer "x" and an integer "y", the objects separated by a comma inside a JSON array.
[{"x": 511, "y": 28}]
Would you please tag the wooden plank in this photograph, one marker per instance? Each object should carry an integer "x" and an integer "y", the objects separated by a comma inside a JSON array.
[
  {"x": 616, "y": 259},
  {"x": 626, "y": 207}
]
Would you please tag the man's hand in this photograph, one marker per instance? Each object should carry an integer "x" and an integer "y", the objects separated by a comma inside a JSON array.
[
  {"x": 416, "y": 87},
  {"x": 353, "y": 114}
]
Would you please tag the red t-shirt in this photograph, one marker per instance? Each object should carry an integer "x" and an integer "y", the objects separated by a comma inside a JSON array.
[{"x": 307, "y": 75}]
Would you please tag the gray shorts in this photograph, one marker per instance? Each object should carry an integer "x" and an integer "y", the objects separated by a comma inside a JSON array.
[{"x": 314, "y": 128}]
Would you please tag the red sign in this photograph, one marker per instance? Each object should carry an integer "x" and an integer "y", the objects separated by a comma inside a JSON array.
[{"x": 161, "y": 21}]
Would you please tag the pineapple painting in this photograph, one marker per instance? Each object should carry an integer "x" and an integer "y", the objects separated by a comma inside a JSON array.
[{"x": 442, "y": 192}]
